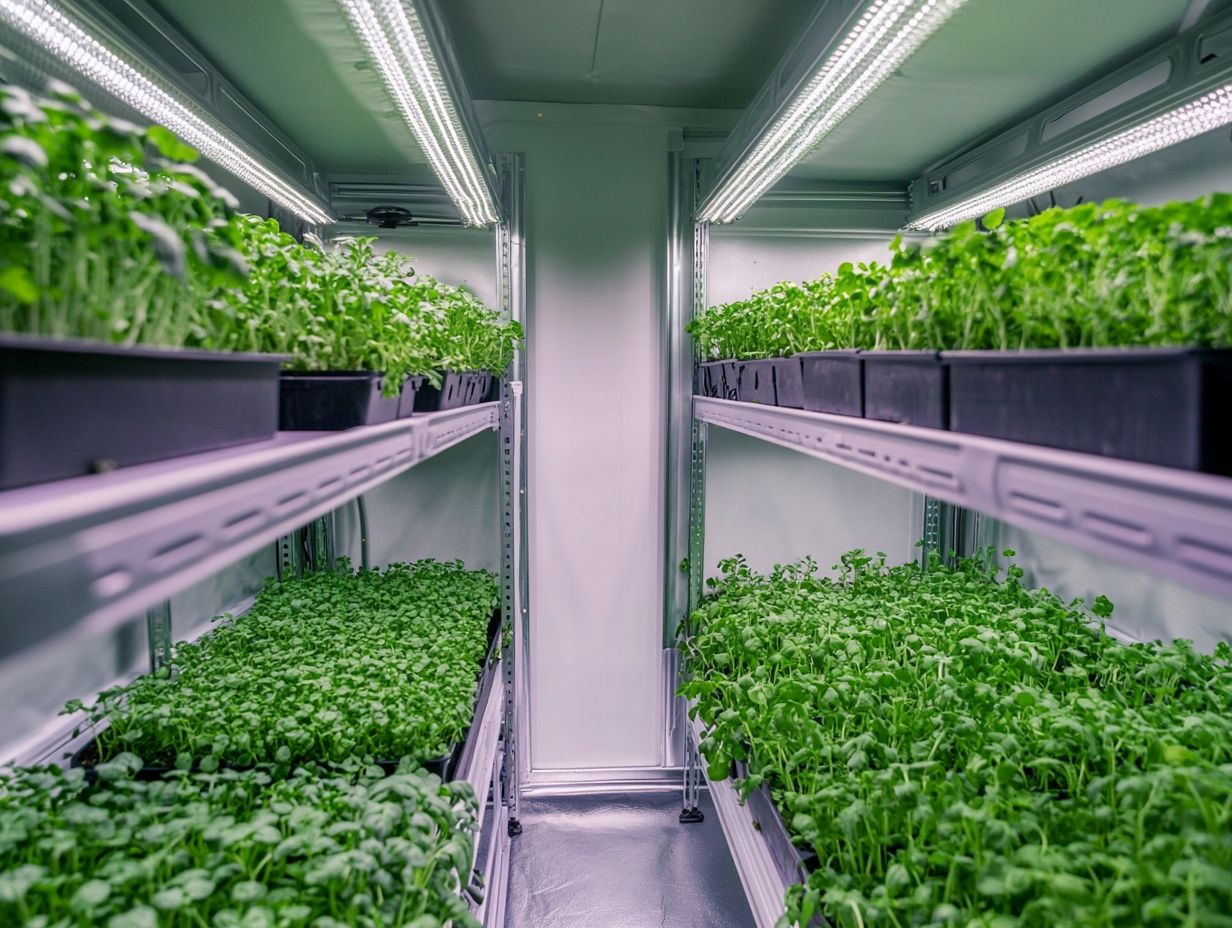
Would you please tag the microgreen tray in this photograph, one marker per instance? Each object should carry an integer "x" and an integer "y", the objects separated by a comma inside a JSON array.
[
  {"x": 70, "y": 408},
  {"x": 330, "y": 401},
  {"x": 909, "y": 387},
  {"x": 756, "y": 383},
  {"x": 444, "y": 766},
  {"x": 1165, "y": 406},
  {"x": 451, "y": 394},
  {"x": 833, "y": 381}
]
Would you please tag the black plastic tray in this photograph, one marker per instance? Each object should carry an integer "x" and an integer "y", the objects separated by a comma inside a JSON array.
[
  {"x": 834, "y": 381},
  {"x": 451, "y": 394},
  {"x": 909, "y": 387},
  {"x": 756, "y": 382},
  {"x": 1166, "y": 406},
  {"x": 788, "y": 382},
  {"x": 710, "y": 379},
  {"x": 443, "y": 766},
  {"x": 329, "y": 401},
  {"x": 70, "y": 408},
  {"x": 731, "y": 379},
  {"x": 406, "y": 400}
]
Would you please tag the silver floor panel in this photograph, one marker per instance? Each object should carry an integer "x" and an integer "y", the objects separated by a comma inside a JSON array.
[{"x": 621, "y": 861}]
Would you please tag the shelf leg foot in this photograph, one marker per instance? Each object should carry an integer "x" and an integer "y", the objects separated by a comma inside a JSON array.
[
  {"x": 691, "y": 816},
  {"x": 515, "y": 828}
]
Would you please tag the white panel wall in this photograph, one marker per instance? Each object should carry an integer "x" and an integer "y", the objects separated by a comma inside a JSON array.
[
  {"x": 447, "y": 508},
  {"x": 596, "y": 199},
  {"x": 452, "y": 254},
  {"x": 775, "y": 506}
]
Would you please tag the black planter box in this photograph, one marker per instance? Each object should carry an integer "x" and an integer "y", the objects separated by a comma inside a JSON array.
[
  {"x": 406, "y": 399},
  {"x": 731, "y": 379},
  {"x": 478, "y": 384},
  {"x": 834, "y": 381},
  {"x": 70, "y": 408},
  {"x": 710, "y": 379},
  {"x": 910, "y": 387},
  {"x": 494, "y": 388},
  {"x": 788, "y": 383},
  {"x": 329, "y": 401},
  {"x": 451, "y": 394},
  {"x": 1166, "y": 406},
  {"x": 756, "y": 382}
]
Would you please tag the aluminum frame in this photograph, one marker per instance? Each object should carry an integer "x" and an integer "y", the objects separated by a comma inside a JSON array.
[
  {"x": 87, "y": 554},
  {"x": 1200, "y": 59},
  {"x": 515, "y": 612}
]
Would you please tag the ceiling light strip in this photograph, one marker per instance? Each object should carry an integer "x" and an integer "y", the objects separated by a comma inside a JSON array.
[
  {"x": 884, "y": 37},
  {"x": 139, "y": 87},
  {"x": 398, "y": 45},
  {"x": 1210, "y": 111}
]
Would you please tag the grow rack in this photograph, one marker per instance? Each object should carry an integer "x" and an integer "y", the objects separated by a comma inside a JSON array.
[{"x": 88, "y": 554}]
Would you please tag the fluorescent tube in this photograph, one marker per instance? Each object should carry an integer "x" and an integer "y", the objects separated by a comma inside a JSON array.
[
  {"x": 398, "y": 45},
  {"x": 141, "y": 87},
  {"x": 886, "y": 35},
  {"x": 1209, "y": 111}
]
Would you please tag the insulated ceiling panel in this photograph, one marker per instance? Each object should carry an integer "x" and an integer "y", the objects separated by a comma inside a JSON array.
[
  {"x": 300, "y": 63},
  {"x": 993, "y": 63},
  {"x": 694, "y": 53}
]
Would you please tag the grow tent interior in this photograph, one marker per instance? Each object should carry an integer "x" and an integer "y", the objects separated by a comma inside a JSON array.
[{"x": 608, "y": 119}]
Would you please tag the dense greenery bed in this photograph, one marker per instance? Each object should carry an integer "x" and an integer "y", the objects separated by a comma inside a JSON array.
[
  {"x": 1113, "y": 274},
  {"x": 372, "y": 665},
  {"x": 236, "y": 849},
  {"x": 959, "y": 750}
]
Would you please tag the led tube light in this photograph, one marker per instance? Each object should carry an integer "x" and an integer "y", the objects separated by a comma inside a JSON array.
[
  {"x": 1210, "y": 111},
  {"x": 63, "y": 37},
  {"x": 398, "y": 45},
  {"x": 886, "y": 35}
]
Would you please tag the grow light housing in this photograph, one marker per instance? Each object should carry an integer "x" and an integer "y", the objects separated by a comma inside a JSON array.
[
  {"x": 396, "y": 34},
  {"x": 1176, "y": 92},
  {"x": 882, "y": 38},
  {"x": 121, "y": 73}
]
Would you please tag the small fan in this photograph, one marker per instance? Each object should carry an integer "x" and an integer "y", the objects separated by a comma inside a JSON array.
[{"x": 390, "y": 217}]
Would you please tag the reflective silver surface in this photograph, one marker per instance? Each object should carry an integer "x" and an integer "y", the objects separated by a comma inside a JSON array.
[{"x": 621, "y": 861}]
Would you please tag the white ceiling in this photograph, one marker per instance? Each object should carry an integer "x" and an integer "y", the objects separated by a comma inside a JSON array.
[
  {"x": 691, "y": 53},
  {"x": 993, "y": 63}
]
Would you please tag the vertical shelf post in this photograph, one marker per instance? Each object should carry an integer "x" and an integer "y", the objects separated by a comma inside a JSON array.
[
  {"x": 691, "y": 810},
  {"x": 511, "y": 271},
  {"x": 158, "y": 635}
]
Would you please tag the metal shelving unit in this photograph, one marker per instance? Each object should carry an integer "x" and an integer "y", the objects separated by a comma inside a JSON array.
[
  {"x": 1171, "y": 522},
  {"x": 87, "y": 553}
]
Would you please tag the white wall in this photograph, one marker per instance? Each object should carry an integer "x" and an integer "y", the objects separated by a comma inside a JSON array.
[
  {"x": 596, "y": 201},
  {"x": 452, "y": 254},
  {"x": 775, "y": 506},
  {"x": 741, "y": 262},
  {"x": 447, "y": 508}
]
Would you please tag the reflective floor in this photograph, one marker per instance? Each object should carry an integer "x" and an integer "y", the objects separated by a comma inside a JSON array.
[{"x": 621, "y": 861}]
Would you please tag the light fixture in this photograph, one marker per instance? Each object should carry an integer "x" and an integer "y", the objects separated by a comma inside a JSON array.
[
  {"x": 886, "y": 35},
  {"x": 397, "y": 42},
  {"x": 1209, "y": 111},
  {"x": 122, "y": 75}
]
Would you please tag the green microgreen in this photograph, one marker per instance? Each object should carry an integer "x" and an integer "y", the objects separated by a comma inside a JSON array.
[
  {"x": 1113, "y": 274},
  {"x": 959, "y": 750},
  {"x": 236, "y": 849},
  {"x": 323, "y": 668}
]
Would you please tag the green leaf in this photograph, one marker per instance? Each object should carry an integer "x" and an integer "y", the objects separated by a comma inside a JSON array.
[
  {"x": 993, "y": 218},
  {"x": 169, "y": 145},
  {"x": 17, "y": 283}
]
